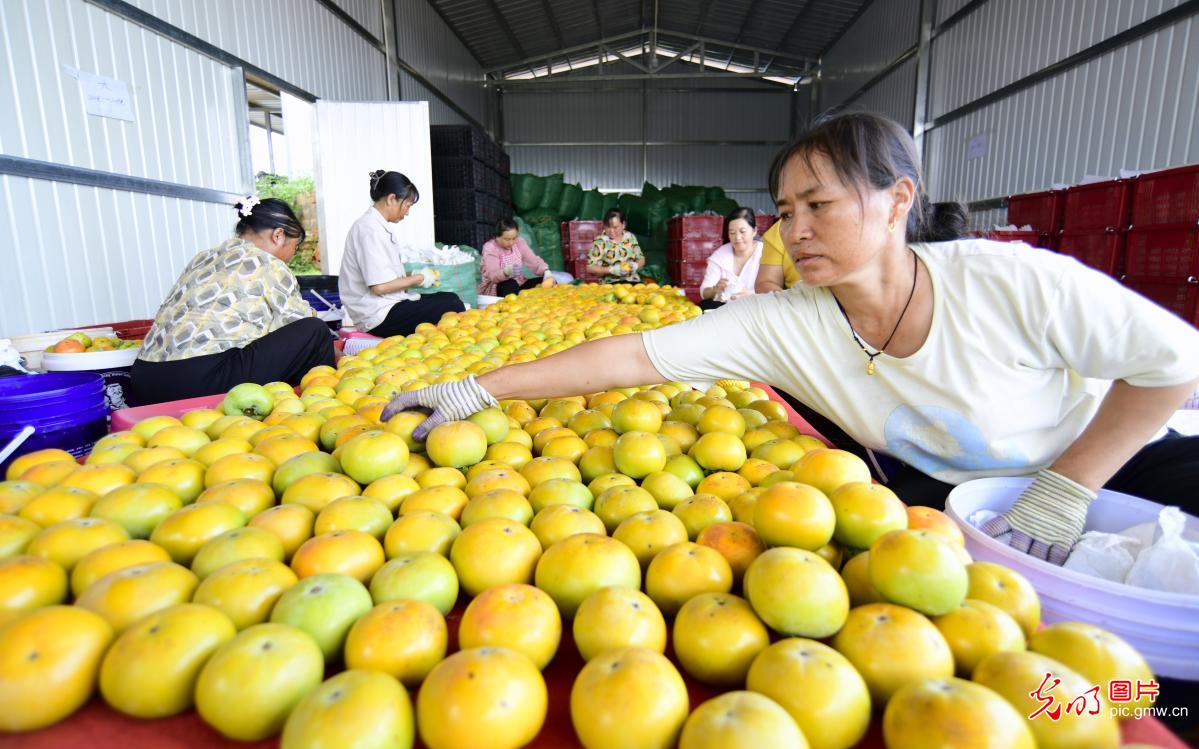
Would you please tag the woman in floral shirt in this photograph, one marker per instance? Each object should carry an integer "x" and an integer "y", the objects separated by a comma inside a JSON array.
[
  {"x": 615, "y": 255},
  {"x": 234, "y": 315}
]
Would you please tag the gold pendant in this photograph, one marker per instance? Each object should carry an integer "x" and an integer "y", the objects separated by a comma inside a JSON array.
[{"x": 870, "y": 367}]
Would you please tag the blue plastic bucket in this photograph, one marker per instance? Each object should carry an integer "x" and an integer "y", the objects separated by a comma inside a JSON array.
[{"x": 66, "y": 408}]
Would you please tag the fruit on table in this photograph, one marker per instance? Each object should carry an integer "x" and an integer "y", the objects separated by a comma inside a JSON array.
[
  {"x": 519, "y": 617},
  {"x": 354, "y": 708},
  {"x": 27, "y": 583},
  {"x": 493, "y": 697},
  {"x": 916, "y": 568},
  {"x": 403, "y": 638},
  {"x": 151, "y": 669},
  {"x": 1020, "y": 677},
  {"x": 716, "y": 637},
  {"x": 324, "y": 607},
  {"x": 540, "y": 463},
  {"x": 614, "y": 681},
  {"x": 417, "y": 576},
  {"x": 948, "y": 712},
  {"x": 744, "y": 719},
  {"x": 975, "y": 630},
  {"x": 248, "y": 399},
  {"x": 892, "y": 646},
  {"x": 797, "y": 593},
  {"x": 818, "y": 687},
  {"x": 1097, "y": 654},
  {"x": 254, "y": 681},
  {"x": 49, "y": 659},
  {"x": 126, "y": 595}
]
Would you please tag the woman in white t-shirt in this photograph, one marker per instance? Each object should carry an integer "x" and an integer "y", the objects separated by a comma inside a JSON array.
[
  {"x": 373, "y": 284},
  {"x": 733, "y": 267},
  {"x": 960, "y": 358}
]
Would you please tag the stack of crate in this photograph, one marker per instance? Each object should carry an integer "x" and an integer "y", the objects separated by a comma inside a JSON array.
[
  {"x": 577, "y": 237},
  {"x": 690, "y": 240},
  {"x": 763, "y": 221},
  {"x": 1094, "y": 224},
  {"x": 471, "y": 190},
  {"x": 1041, "y": 211},
  {"x": 1162, "y": 247}
]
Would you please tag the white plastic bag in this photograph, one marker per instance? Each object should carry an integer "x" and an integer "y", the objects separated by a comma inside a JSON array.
[
  {"x": 1106, "y": 555},
  {"x": 10, "y": 357},
  {"x": 1170, "y": 563}
]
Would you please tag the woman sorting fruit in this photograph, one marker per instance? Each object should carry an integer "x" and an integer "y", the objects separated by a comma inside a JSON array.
[
  {"x": 733, "y": 266},
  {"x": 615, "y": 254},
  {"x": 235, "y": 315},
  {"x": 504, "y": 259},
  {"x": 960, "y": 358},
  {"x": 373, "y": 284}
]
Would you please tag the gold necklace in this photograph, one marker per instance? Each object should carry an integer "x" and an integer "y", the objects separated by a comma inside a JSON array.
[{"x": 870, "y": 356}]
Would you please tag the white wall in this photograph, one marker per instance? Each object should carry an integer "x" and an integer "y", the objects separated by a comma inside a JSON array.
[{"x": 83, "y": 255}]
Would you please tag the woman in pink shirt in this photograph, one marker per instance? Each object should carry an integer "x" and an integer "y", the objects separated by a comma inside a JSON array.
[{"x": 504, "y": 260}]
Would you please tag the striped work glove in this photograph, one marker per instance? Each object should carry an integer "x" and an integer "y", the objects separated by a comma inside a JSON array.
[
  {"x": 1047, "y": 519},
  {"x": 449, "y": 401}
]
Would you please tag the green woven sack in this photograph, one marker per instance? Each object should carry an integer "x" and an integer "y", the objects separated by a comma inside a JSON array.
[
  {"x": 553, "y": 192},
  {"x": 527, "y": 191},
  {"x": 572, "y": 198},
  {"x": 460, "y": 279},
  {"x": 591, "y": 207}
]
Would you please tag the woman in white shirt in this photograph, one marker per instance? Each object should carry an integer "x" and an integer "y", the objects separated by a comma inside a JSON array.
[
  {"x": 733, "y": 266},
  {"x": 962, "y": 358},
  {"x": 373, "y": 284}
]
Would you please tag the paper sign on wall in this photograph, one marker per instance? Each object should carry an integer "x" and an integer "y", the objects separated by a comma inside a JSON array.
[
  {"x": 977, "y": 147},
  {"x": 103, "y": 96}
]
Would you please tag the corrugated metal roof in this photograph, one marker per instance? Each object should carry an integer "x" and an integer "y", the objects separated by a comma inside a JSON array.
[{"x": 502, "y": 32}]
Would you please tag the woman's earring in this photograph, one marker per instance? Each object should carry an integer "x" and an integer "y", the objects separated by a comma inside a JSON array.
[{"x": 891, "y": 226}]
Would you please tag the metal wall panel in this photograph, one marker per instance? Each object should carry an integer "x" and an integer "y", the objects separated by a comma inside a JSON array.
[
  {"x": 946, "y": 8},
  {"x": 893, "y": 96},
  {"x": 731, "y": 167},
  {"x": 424, "y": 41},
  {"x": 78, "y": 255},
  {"x": 185, "y": 106},
  {"x": 369, "y": 13},
  {"x": 605, "y": 167},
  {"x": 543, "y": 117},
  {"x": 439, "y": 112},
  {"x": 881, "y": 34},
  {"x": 1004, "y": 41},
  {"x": 719, "y": 115},
  {"x": 300, "y": 41},
  {"x": 1133, "y": 108},
  {"x": 761, "y": 202}
]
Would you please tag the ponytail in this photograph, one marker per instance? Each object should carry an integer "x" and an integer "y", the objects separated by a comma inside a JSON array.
[{"x": 936, "y": 222}]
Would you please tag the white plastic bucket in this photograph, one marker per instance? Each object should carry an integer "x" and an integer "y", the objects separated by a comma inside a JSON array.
[
  {"x": 114, "y": 366},
  {"x": 1163, "y": 626},
  {"x": 33, "y": 346}
]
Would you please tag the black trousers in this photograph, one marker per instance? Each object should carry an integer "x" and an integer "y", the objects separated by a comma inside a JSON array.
[
  {"x": 710, "y": 304},
  {"x": 504, "y": 288},
  {"x": 284, "y": 355},
  {"x": 403, "y": 317}
]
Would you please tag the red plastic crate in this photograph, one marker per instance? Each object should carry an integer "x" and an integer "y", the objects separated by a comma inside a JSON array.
[
  {"x": 1167, "y": 197},
  {"x": 693, "y": 250},
  {"x": 1163, "y": 252},
  {"x": 1101, "y": 250},
  {"x": 1180, "y": 297},
  {"x": 1099, "y": 205},
  {"x": 576, "y": 249},
  {"x": 687, "y": 274},
  {"x": 763, "y": 221},
  {"x": 130, "y": 329},
  {"x": 581, "y": 230},
  {"x": 1041, "y": 239},
  {"x": 1040, "y": 210},
  {"x": 695, "y": 227}
]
